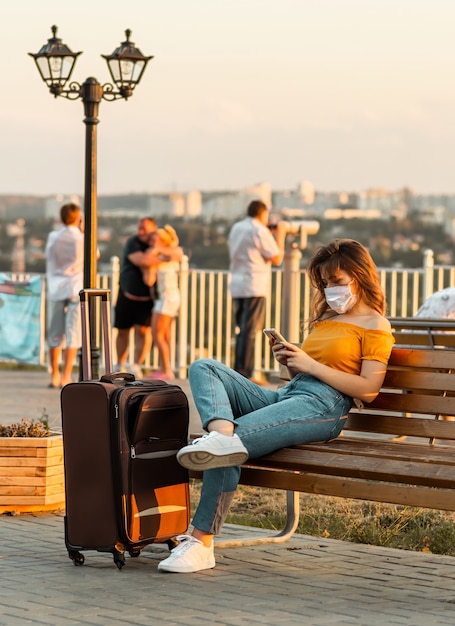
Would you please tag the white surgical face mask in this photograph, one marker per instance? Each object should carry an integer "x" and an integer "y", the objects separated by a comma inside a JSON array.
[{"x": 340, "y": 298}]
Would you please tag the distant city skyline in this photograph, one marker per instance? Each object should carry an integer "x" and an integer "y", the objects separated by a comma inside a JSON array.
[{"x": 348, "y": 94}]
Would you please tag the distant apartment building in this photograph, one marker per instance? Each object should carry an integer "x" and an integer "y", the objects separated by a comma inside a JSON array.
[
  {"x": 123, "y": 205},
  {"x": 233, "y": 204},
  {"x": 193, "y": 204},
  {"x": 387, "y": 203},
  {"x": 304, "y": 201},
  {"x": 20, "y": 207},
  {"x": 227, "y": 204},
  {"x": 439, "y": 207},
  {"x": 166, "y": 204},
  {"x": 52, "y": 205},
  {"x": 175, "y": 204},
  {"x": 301, "y": 197}
]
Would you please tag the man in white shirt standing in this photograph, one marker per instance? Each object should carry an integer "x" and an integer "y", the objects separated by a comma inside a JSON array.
[
  {"x": 64, "y": 275},
  {"x": 253, "y": 250}
]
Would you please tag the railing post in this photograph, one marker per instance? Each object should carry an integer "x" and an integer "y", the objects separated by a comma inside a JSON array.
[
  {"x": 182, "y": 320},
  {"x": 428, "y": 273},
  {"x": 115, "y": 277},
  {"x": 290, "y": 316},
  {"x": 115, "y": 282}
]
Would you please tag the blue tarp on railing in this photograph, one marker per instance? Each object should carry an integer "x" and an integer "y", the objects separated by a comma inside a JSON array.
[{"x": 20, "y": 319}]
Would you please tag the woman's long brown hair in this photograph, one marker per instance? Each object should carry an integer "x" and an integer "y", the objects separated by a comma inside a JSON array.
[{"x": 352, "y": 257}]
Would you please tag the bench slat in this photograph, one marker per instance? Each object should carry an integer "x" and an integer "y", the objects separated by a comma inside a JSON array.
[
  {"x": 402, "y": 450},
  {"x": 412, "y": 358},
  {"x": 409, "y": 339},
  {"x": 399, "y": 426},
  {"x": 418, "y": 380},
  {"x": 410, "y": 472},
  {"x": 423, "y": 324},
  {"x": 414, "y": 403},
  {"x": 411, "y": 331},
  {"x": 314, "y": 483}
]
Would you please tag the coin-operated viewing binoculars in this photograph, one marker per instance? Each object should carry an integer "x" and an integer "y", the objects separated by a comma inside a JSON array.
[
  {"x": 291, "y": 312},
  {"x": 302, "y": 228}
]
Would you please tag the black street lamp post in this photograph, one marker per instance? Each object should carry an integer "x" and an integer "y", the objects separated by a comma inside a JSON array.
[{"x": 55, "y": 63}]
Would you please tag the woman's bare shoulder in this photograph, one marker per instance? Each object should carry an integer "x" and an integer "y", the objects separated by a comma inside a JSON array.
[
  {"x": 371, "y": 320},
  {"x": 379, "y": 322}
]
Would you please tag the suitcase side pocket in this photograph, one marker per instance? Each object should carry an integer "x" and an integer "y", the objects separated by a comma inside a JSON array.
[
  {"x": 154, "y": 499},
  {"x": 157, "y": 505}
]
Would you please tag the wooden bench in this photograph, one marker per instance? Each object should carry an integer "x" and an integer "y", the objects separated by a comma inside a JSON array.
[
  {"x": 429, "y": 333},
  {"x": 371, "y": 461}
]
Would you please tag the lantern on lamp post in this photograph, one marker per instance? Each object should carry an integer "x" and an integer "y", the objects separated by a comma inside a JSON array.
[{"x": 55, "y": 62}]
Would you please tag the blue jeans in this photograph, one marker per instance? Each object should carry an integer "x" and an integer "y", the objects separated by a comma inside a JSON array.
[
  {"x": 249, "y": 317},
  {"x": 305, "y": 410}
]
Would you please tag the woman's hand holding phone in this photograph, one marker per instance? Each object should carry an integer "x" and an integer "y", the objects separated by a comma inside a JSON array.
[
  {"x": 274, "y": 336},
  {"x": 283, "y": 351},
  {"x": 277, "y": 343}
]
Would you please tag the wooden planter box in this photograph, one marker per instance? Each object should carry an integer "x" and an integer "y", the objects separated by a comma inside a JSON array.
[{"x": 31, "y": 474}]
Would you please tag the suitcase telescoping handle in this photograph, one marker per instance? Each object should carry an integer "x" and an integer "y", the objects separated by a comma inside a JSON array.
[{"x": 105, "y": 295}]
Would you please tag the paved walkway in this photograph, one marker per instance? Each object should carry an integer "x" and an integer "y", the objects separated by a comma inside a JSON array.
[
  {"x": 307, "y": 580},
  {"x": 25, "y": 393}
]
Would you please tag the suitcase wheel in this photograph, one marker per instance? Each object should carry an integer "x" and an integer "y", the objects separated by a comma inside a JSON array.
[
  {"x": 119, "y": 560},
  {"x": 76, "y": 557},
  {"x": 134, "y": 552},
  {"x": 172, "y": 543}
]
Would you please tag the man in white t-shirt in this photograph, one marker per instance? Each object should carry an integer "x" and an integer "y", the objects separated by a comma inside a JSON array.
[
  {"x": 253, "y": 250},
  {"x": 64, "y": 277}
]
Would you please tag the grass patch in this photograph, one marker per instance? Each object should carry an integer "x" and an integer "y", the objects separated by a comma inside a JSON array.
[{"x": 387, "y": 525}]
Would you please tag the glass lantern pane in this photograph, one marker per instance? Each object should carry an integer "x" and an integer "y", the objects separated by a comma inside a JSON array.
[
  {"x": 137, "y": 71},
  {"x": 55, "y": 63},
  {"x": 115, "y": 70},
  {"x": 67, "y": 67},
  {"x": 43, "y": 67},
  {"x": 126, "y": 68}
]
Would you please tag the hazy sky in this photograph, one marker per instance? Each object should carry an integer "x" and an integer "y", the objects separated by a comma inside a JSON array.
[{"x": 348, "y": 94}]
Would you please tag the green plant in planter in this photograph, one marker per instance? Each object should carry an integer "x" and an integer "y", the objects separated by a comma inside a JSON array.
[{"x": 28, "y": 427}]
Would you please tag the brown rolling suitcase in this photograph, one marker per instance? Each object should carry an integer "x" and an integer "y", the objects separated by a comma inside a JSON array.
[{"x": 124, "y": 487}]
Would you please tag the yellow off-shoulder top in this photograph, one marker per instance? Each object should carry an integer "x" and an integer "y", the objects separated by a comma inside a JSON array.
[{"x": 344, "y": 346}]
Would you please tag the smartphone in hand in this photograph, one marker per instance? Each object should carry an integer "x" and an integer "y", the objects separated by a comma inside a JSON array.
[{"x": 274, "y": 334}]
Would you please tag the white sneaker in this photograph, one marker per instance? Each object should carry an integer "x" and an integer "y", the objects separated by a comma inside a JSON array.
[
  {"x": 136, "y": 369},
  {"x": 119, "y": 367},
  {"x": 189, "y": 556},
  {"x": 213, "y": 450}
]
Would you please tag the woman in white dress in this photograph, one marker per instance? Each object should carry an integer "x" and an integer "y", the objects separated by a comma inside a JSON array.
[{"x": 164, "y": 256}]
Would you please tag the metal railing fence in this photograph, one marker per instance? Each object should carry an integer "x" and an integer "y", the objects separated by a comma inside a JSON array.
[{"x": 205, "y": 326}]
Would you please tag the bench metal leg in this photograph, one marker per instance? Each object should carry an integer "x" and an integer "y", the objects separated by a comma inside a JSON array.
[{"x": 292, "y": 520}]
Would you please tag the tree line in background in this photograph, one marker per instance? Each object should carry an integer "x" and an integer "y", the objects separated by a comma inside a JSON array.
[{"x": 393, "y": 243}]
